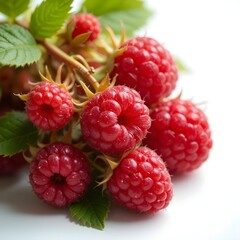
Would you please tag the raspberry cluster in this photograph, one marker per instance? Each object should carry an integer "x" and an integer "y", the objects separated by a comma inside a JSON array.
[{"x": 124, "y": 125}]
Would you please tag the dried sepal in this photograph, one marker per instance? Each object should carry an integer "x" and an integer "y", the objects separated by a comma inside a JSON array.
[
  {"x": 87, "y": 91},
  {"x": 106, "y": 83},
  {"x": 80, "y": 39},
  {"x": 123, "y": 33},
  {"x": 23, "y": 97},
  {"x": 58, "y": 78},
  {"x": 113, "y": 38},
  {"x": 111, "y": 164}
]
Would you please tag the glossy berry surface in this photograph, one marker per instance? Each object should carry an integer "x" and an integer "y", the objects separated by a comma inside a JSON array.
[
  {"x": 180, "y": 134},
  {"x": 49, "y": 106},
  {"x": 148, "y": 67},
  {"x": 115, "y": 120},
  {"x": 59, "y": 174},
  {"x": 84, "y": 23},
  {"x": 10, "y": 165},
  {"x": 141, "y": 182}
]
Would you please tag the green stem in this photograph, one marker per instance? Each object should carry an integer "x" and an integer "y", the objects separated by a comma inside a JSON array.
[{"x": 71, "y": 62}]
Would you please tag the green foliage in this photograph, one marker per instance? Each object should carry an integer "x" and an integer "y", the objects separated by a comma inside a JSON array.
[
  {"x": 92, "y": 209},
  {"x": 49, "y": 17},
  {"x": 181, "y": 65},
  {"x": 13, "y": 8},
  {"x": 133, "y": 14},
  {"x": 17, "y": 46},
  {"x": 16, "y": 133}
]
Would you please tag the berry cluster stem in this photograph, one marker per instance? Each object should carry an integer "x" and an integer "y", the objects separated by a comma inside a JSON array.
[{"x": 70, "y": 61}]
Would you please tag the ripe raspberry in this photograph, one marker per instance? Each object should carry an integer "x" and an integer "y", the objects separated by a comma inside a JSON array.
[
  {"x": 84, "y": 23},
  {"x": 49, "y": 106},
  {"x": 115, "y": 120},
  {"x": 148, "y": 67},
  {"x": 141, "y": 182},
  {"x": 10, "y": 165},
  {"x": 59, "y": 174},
  {"x": 180, "y": 134}
]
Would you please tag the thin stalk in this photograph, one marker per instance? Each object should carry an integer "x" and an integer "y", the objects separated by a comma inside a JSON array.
[{"x": 71, "y": 62}]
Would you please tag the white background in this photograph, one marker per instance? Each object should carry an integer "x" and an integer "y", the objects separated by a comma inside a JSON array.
[{"x": 206, "y": 205}]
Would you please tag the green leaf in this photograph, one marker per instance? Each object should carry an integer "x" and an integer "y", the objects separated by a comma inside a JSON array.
[
  {"x": 98, "y": 8},
  {"x": 13, "y": 8},
  {"x": 16, "y": 133},
  {"x": 181, "y": 66},
  {"x": 92, "y": 209},
  {"x": 49, "y": 17},
  {"x": 128, "y": 17},
  {"x": 133, "y": 14},
  {"x": 17, "y": 46}
]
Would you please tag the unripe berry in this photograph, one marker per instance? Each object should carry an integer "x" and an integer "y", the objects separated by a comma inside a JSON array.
[{"x": 84, "y": 23}]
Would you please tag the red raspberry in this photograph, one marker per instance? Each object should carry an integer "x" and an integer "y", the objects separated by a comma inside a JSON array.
[
  {"x": 49, "y": 106},
  {"x": 59, "y": 174},
  {"x": 115, "y": 120},
  {"x": 10, "y": 165},
  {"x": 141, "y": 182},
  {"x": 148, "y": 67},
  {"x": 84, "y": 23},
  {"x": 180, "y": 134}
]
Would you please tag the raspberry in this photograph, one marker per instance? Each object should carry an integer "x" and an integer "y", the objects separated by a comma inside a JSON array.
[
  {"x": 59, "y": 174},
  {"x": 115, "y": 120},
  {"x": 49, "y": 106},
  {"x": 148, "y": 67},
  {"x": 180, "y": 134},
  {"x": 84, "y": 23},
  {"x": 10, "y": 165},
  {"x": 141, "y": 182}
]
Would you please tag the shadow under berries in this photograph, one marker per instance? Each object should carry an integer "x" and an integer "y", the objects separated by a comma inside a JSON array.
[{"x": 22, "y": 200}]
